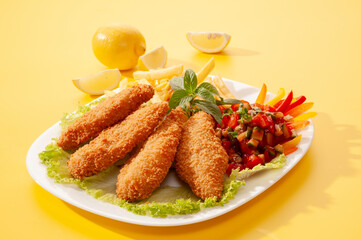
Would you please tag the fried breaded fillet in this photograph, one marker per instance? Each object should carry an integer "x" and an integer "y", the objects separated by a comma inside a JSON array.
[
  {"x": 201, "y": 161},
  {"x": 115, "y": 142},
  {"x": 143, "y": 173},
  {"x": 105, "y": 114}
]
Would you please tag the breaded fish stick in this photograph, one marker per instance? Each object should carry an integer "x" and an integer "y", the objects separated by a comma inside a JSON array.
[
  {"x": 144, "y": 172},
  {"x": 201, "y": 161},
  {"x": 115, "y": 142},
  {"x": 105, "y": 114}
]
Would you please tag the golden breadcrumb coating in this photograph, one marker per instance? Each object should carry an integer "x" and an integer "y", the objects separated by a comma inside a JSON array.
[
  {"x": 105, "y": 114},
  {"x": 143, "y": 173},
  {"x": 201, "y": 161},
  {"x": 115, "y": 142}
]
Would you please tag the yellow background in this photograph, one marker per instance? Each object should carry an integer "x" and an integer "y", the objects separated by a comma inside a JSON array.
[{"x": 312, "y": 47}]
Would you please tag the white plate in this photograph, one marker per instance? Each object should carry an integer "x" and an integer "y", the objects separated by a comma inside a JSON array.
[{"x": 255, "y": 185}]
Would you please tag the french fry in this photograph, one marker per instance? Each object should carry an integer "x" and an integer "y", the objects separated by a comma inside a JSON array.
[
  {"x": 154, "y": 75},
  {"x": 206, "y": 70},
  {"x": 222, "y": 88}
]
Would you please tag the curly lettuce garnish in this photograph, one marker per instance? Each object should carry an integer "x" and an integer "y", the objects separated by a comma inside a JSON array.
[
  {"x": 69, "y": 119},
  {"x": 164, "y": 201}
]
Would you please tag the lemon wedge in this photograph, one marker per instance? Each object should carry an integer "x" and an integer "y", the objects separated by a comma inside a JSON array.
[
  {"x": 97, "y": 83},
  {"x": 157, "y": 58},
  {"x": 208, "y": 42}
]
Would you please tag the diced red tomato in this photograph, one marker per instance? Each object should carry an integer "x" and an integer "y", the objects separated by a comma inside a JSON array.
[
  {"x": 222, "y": 108},
  {"x": 261, "y": 106},
  {"x": 271, "y": 125},
  {"x": 232, "y": 166},
  {"x": 225, "y": 120},
  {"x": 269, "y": 108},
  {"x": 244, "y": 148},
  {"x": 233, "y": 122},
  {"x": 267, "y": 157},
  {"x": 260, "y": 121},
  {"x": 227, "y": 145},
  {"x": 253, "y": 161},
  {"x": 235, "y": 107}
]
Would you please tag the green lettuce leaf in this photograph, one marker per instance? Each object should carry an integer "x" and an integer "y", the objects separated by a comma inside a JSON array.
[
  {"x": 277, "y": 162},
  {"x": 69, "y": 119}
]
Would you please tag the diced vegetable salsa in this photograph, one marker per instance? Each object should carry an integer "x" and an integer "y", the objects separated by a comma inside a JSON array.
[{"x": 254, "y": 134}]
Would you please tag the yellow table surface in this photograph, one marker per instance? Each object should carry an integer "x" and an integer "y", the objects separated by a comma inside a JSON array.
[{"x": 311, "y": 47}]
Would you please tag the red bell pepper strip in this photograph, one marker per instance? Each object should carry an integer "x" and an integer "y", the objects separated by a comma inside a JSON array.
[
  {"x": 286, "y": 103},
  {"x": 296, "y": 103},
  {"x": 278, "y": 103}
]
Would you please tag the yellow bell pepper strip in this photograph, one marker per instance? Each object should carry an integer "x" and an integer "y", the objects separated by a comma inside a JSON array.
[
  {"x": 299, "y": 109},
  {"x": 281, "y": 93},
  {"x": 286, "y": 103},
  {"x": 292, "y": 143},
  {"x": 305, "y": 116},
  {"x": 262, "y": 94},
  {"x": 296, "y": 103},
  {"x": 299, "y": 124},
  {"x": 291, "y": 150}
]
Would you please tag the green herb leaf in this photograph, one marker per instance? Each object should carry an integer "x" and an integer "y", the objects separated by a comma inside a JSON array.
[
  {"x": 234, "y": 134},
  {"x": 228, "y": 102},
  {"x": 190, "y": 81},
  {"x": 176, "y": 98},
  {"x": 177, "y": 83},
  {"x": 209, "y": 87},
  {"x": 205, "y": 94},
  {"x": 210, "y": 108},
  {"x": 184, "y": 101}
]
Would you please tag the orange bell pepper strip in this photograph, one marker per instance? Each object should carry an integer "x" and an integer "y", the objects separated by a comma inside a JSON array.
[
  {"x": 305, "y": 116},
  {"x": 281, "y": 93},
  {"x": 299, "y": 124},
  {"x": 291, "y": 150},
  {"x": 299, "y": 109},
  {"x": 292, "y": 143},
  {"x": 262, "y": 94}
]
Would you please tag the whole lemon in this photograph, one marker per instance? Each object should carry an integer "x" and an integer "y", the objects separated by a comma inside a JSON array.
[{"x": 118, "y": 46}]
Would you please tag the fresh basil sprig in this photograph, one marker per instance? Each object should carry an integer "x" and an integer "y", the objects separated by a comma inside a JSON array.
[{"x": 186, "y": 89}]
